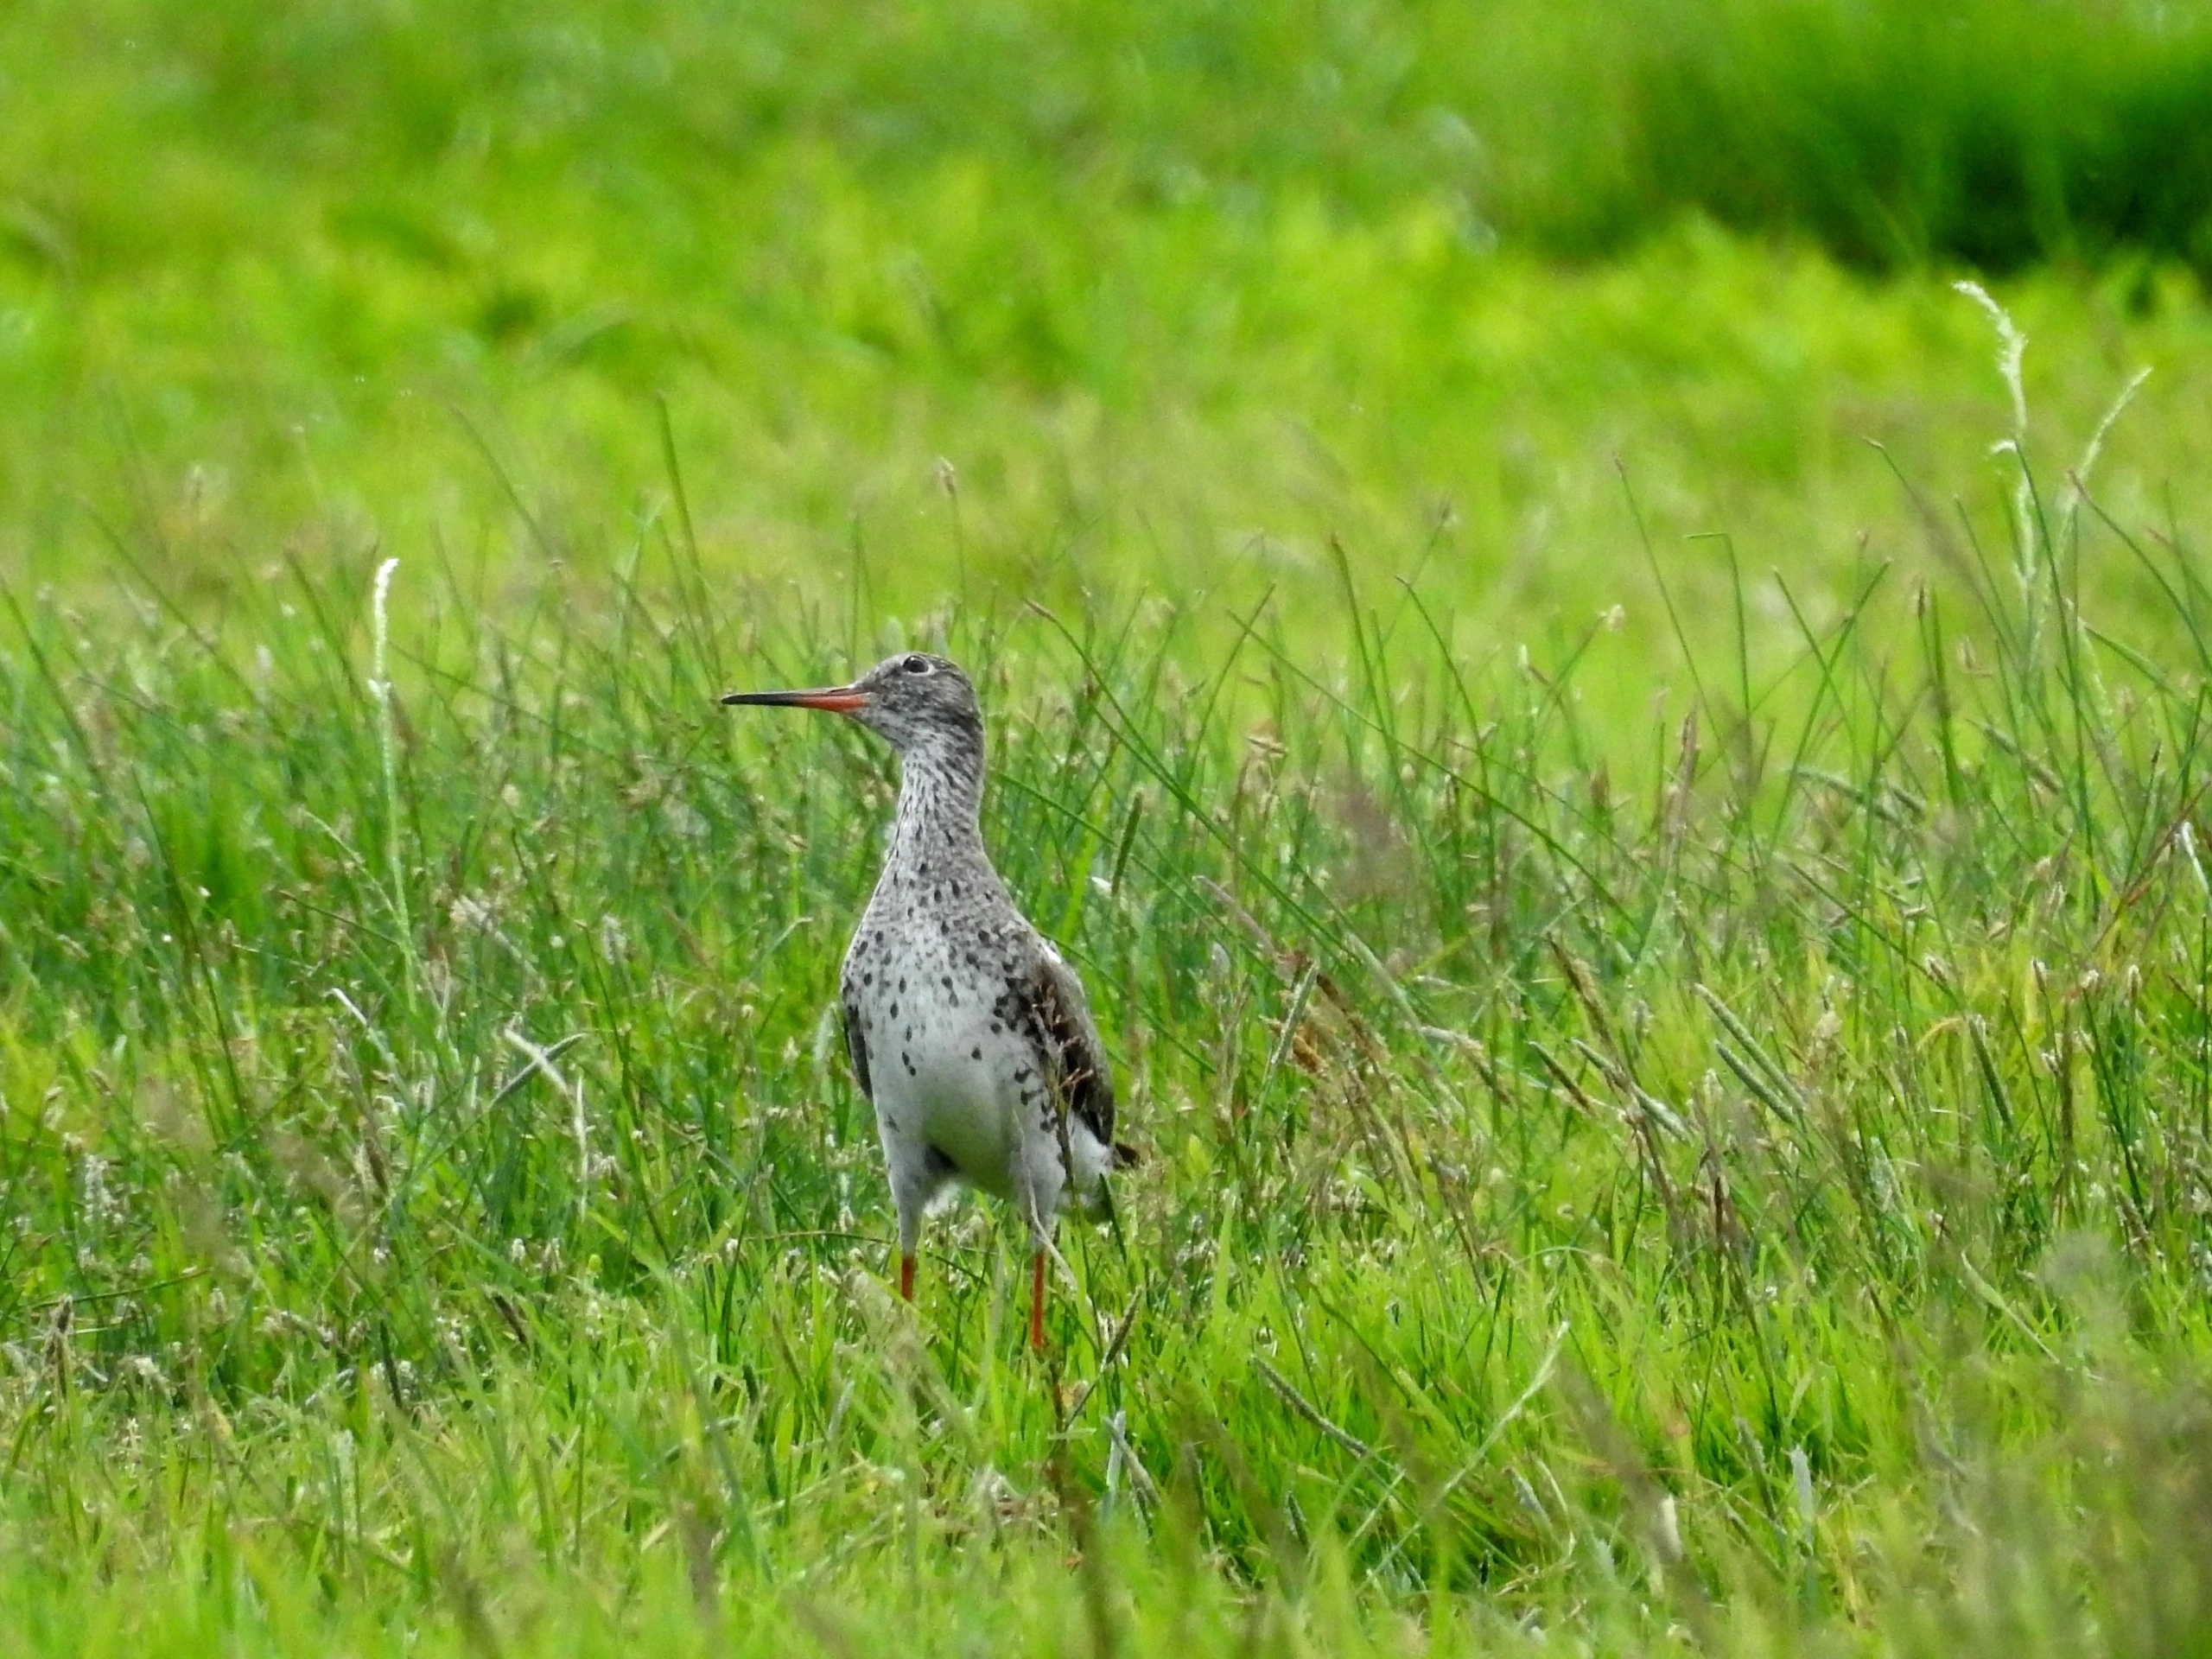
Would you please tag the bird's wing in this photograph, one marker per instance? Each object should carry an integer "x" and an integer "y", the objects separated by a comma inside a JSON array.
[
  {"x": 1074, "y": 1058},
  {"x": 856, "y": 1044}
]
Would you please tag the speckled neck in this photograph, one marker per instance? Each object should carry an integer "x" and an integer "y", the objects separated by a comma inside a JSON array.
[{"x": 939, "y": 826}]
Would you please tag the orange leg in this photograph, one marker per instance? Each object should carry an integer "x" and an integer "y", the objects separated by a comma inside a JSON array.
[
  {"x": 1037, "y": 1301},
  {"x": 906, "y": 1276}
]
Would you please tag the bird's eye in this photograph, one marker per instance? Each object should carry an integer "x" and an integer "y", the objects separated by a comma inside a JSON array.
[{"x": 917, "y": 664}]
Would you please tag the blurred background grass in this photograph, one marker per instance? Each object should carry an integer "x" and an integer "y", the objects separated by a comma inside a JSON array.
[{"x": 1179, "y": 291}]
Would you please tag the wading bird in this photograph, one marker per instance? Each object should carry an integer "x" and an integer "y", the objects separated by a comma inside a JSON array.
[{"x": 966, "y": 1033}]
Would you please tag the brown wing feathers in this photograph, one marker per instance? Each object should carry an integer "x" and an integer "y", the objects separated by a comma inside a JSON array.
[
  {"x": 1074, "y": 1058},
  {"x": 856, "y": 1047}
]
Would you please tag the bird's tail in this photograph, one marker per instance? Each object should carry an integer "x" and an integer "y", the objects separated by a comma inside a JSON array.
[{"x": 1126, "y": 1156}]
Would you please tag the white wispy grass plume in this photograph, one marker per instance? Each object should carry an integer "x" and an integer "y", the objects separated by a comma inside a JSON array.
[
  {"x": 2096, "y": 444},
  {"x": 380, "y": 690},
  {"x": 2012, "y": 346},
  {"x": 380, "y": 640}
]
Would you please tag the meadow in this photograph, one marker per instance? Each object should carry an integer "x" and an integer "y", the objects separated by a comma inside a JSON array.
[{"x": 1624, "y": 764}]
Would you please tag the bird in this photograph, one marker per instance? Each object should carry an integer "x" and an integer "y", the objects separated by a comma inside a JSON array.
[{"x": 969, "y": 1034}]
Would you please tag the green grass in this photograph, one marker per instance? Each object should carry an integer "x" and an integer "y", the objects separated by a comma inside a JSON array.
[
  {"x": 1736, "y": 1178},
  {"x": 1675, "y": 1067},
  {"x": 1978, "y": 130},
  {"x": 1179, "y": 293}
]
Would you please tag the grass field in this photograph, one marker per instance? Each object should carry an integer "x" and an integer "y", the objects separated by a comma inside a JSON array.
[{"x": 1660, "y": 953}]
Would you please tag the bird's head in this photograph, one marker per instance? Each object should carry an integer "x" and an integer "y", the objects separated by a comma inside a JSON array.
[{"x": 916, "y": 700}]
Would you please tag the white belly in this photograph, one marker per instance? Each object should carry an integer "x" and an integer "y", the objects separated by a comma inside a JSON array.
[{"x": 948, "y": 1083}]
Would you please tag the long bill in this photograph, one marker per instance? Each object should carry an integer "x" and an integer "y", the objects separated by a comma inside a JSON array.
[{"x": 837, "y": 699}]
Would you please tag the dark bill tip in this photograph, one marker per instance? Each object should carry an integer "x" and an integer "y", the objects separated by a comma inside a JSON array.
[{"x": 837, "y": 699}]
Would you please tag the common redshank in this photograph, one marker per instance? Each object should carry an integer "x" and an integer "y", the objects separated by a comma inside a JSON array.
[{"x": 967, "y": 1032}]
